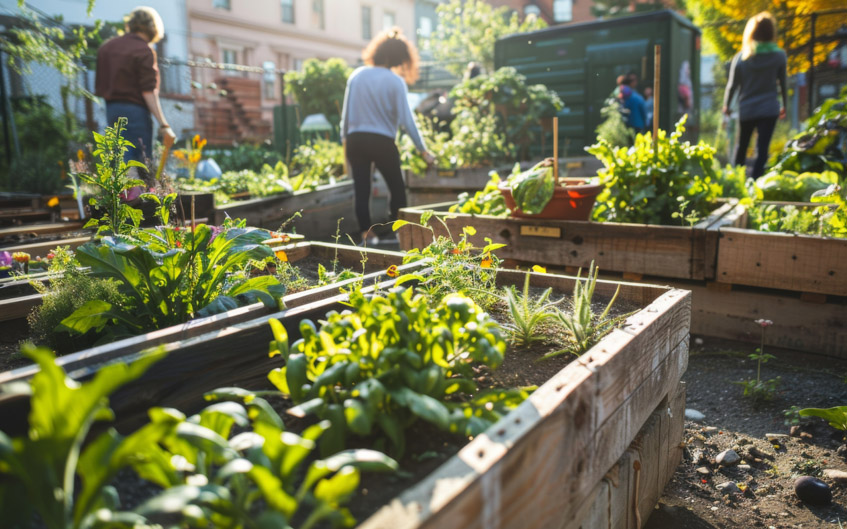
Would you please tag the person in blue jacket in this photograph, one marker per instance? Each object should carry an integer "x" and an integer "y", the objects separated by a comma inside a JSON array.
[
  {"x": 636, "y": 119},
  {"x": 375, "y": 106},
  {"x": 754, "y": 75}
]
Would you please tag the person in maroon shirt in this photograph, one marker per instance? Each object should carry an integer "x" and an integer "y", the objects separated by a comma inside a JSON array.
[{"x": 128, "y": 79}]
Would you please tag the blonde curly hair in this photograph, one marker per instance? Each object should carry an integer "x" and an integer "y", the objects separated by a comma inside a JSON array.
[{"x": 146, "y": 20}]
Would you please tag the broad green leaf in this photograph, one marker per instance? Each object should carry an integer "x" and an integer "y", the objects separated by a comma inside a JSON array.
[
  {"x": 836, "y": 417},
  {"x": 358, "y": 418},
  {"x": 398, "y": 224},
  {"x": 424, "y": 406},
  {"x": 273, "y": 491},
  {"x": 336, "y": 489}
]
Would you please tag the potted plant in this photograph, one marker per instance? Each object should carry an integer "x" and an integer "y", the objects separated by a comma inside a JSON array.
[{"x": 541, "y": 193}]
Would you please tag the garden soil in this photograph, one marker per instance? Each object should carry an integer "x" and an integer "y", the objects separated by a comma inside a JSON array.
[{"x": 692, "y": 499}]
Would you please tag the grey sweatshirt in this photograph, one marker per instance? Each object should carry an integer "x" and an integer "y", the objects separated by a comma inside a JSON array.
[
  {"x": 375, "y": 101},
  {"x": 755, "y": 80}
]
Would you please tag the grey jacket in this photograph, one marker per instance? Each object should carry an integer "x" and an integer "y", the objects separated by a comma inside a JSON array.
[{"x": 755, "y": 80}]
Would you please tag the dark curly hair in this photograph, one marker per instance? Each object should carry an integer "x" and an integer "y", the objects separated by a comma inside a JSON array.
[{"x": 391, "y": 49}]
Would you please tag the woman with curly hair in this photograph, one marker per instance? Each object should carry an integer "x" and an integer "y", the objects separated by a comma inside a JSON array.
[
  {"x": 754, "y": 75},
  {"x": 375, "y": 106}
]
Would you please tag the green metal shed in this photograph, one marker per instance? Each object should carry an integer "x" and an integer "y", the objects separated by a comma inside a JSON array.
[{"x": 581, "y": 62}]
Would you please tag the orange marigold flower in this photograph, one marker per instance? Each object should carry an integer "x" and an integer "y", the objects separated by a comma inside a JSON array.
[
  {"x": 281, "y": 255},
  {"x": 487, "y": 262},
  {"x": 80, "y": 155},
  {"x": 179, "y": 155},
  {"x": 196, "y": 139},
  {"x": 53, "y": 202},
  {"x": 455, "y": 251},
  {"x": 392, "y": 271},
  {"x": 21, "y": 257}
]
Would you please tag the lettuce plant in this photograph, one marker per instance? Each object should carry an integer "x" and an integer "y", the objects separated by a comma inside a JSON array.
[{"x": 391, "y": 360}]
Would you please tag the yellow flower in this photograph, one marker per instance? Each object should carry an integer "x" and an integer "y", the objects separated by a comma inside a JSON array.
[
  {"x": 21, "y": 257},
  {"x": 53, "y": 202},
  {"x": 392, "y": 271},
  {"x": 196, "y": 139},
  {"x": 282, "y": 256},
  {"x": 202, "y": 143},
  {"x": 487, "y": 262},
  {"x": 539, "y": 269},
  {"x": 195, "y": 157},
  {"x": 80, "y": 155},
  {"x": 179, "y": 155},
  {"x": 470, "y": 230}
]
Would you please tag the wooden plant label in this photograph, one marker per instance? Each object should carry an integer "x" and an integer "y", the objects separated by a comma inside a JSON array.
[{"x": 541, "y": 231}]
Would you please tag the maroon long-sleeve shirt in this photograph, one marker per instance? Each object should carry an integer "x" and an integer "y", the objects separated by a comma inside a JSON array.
[{"x": 126, "y": 67}]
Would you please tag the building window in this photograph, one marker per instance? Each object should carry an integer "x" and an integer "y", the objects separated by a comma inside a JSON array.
[
  {"x": 389, "y": 20},
  {"x": 562, "y": 10},
  {"x": 318, "y": 14},
  {"x": 367, "y": 30},
  {"x": 229, "y": 56},
  {"x": 424, "y": 27},
  {"x": 269, "y": 79},
  {"x": 221, "y": 4},
  {"x": 287, "y": 11}
]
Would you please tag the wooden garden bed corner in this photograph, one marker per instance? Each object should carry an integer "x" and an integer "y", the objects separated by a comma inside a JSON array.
[
  {"x": 638, "y": 249},
  {"x": 543, "y": 464}
]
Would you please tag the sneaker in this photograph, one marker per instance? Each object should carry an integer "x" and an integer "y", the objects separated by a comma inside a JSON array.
[{"x": 369, "y": 242}]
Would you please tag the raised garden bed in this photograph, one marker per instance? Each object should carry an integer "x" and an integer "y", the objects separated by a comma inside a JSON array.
[
  {"x": 664, "y": 251},
  {"x": 541, "y": 465},
  {"x": 785, "y": 261},
  {"x": 320, "y": 210},
  {"x": 439, "y": 185}
]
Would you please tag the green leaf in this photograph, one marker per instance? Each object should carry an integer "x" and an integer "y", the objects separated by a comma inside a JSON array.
[
  {"x": 836, "y": 417},
  {"x": 423, "y": 406},
  {"x": 358, "y": 418},
  {"x": 338, "y": 488},
  {"x": 398, "y": 224},
  {"x": 273, "y": 491}
]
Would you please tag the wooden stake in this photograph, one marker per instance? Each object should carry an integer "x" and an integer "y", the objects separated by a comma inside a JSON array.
[
  {"x": 657, "y": 73},
  {"x": 192, "y": 213},
  {"x": 556, "y": 148}
]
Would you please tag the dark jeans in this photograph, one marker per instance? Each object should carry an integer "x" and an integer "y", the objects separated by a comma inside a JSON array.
[
  {"x": 363, "y": 150},
  {"x": 765, "y": 127},
  {"x": 139, "y": 128}
]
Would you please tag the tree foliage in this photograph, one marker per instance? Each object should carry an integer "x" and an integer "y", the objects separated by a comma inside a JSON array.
[
  {"x": 723, "y": 25},
  {"x": 319, "y": 88},
  {"x": 47, "y": 41},
  {"x": 619, "y": 8},
  {"x": 468, "y": 29}
]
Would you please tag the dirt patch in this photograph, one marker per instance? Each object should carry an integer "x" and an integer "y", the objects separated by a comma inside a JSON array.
[{"x": 769, "y": 467}]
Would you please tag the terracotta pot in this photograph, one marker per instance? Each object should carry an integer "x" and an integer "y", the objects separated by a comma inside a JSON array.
[{"x": 573, "y": 201}]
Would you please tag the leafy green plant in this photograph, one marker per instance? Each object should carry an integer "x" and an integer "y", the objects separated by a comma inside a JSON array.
[
  {"x": 793, "y": 187},
  {"x": 488, "y": 201},
  {"x": 829, "y": 219},
  {"x": 41, "y": 471},
  {"x": 583, "y": 325},
  {"x": 792, "y": 416},
  {"x": 245, "y": 156},
  {"x": 527, "y": 314},
  {"x": 467, "y": 30},
  {"x": 111, "y": 178},
  {"x": 455, "y": 266},
  {"x": 391, "y": 360},
  {"x": 818, "y": 147},
  {"x": 319, "y": 87},
  {"x": 317, "y": 163},
  {"x": 642, "y": 185},
  {"x": 263, "y": 476},
  {"x": 758, "y": 389},
  {"x": 613, "y": 129},
  {"x": 68, "y": 290},
  {"x": 170, "y": 275},
  {"x": 836, "y": 417},
  {"x": 691, "y": 218}
]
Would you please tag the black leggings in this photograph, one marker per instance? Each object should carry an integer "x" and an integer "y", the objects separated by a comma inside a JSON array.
[
  {"x": 363, "y": 150},
  {"x": 765, "y": 127}
]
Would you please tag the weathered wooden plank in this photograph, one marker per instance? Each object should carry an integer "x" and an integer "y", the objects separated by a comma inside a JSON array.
[
  {"x": 801, "y": 263},
  {"x": 41, "y": 249},
  {"x": 19, "y": 307},
  {"x": 730, "y": 214},
  {"x": 542, "y": 474},
  {"x": 40, "y": 229},
  {"x": 665, "y": 251}
]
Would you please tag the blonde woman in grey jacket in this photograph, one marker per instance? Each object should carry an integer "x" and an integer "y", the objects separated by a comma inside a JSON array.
[{"x": 754, "y": 75}]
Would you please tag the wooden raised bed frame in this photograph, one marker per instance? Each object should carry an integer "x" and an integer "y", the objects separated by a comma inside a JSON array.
[
  {"x": 439, "y": 185},
  {"x": 785, "y": 261},
  {"x": 542, "y": 465},
  {"x": 640, "y": 249}
]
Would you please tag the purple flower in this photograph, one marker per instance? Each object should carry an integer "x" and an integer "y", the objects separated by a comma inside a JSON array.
[
  {"x": 215, "y": 231},
  {"x": 5, "y": 259}
]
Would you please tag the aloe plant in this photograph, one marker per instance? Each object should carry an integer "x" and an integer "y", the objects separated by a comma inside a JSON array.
[
  {"x": 584, "y": 326},
  {"x": 527, "y": 313}
]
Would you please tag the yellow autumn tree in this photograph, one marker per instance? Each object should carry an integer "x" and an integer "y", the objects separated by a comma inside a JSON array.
[{"x": 723, "y": 24}]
